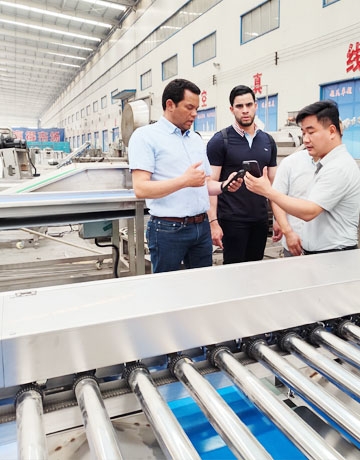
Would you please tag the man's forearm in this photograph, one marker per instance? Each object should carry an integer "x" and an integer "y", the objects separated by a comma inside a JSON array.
[
  {"x": 281, "y": 218},
  {"x": 303, "y": 209},
  {"x": 212, "y": 212}
]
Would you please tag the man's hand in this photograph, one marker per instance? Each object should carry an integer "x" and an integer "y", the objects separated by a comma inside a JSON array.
[
  {"x": 195, "y": 177},
  {"x": 216, "y": 234},
  {"x": 259, "y": 185},
  {"x": 233, "y": 185},
  {"x": 277, "y": 233},
  {"x": 293, "y": 242}
]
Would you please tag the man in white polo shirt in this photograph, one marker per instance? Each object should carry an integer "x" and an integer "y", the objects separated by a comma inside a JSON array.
[
  {"x": 331, "y": 208},
  {"x": 293, "y": 177}
]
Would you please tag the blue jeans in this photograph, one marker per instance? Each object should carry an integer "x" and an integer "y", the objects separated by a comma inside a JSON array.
[{"x": 171, "y": 243}]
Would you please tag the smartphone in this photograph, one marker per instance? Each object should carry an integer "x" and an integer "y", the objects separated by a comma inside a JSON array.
[
  {"x": 239, "y": 174},
  {"x": 253, "y": 167}
]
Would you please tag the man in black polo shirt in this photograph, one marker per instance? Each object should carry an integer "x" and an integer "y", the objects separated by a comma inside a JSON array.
[{"x": 239, "y": 221}]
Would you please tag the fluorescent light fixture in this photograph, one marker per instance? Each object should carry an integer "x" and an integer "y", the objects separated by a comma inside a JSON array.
[
  {"x": 115, "y": 6},
  {"x": 56, "y": 15},
  {"x": 53, "y": 31},
  {"x": 190, "y": 13},
  {"x": 66, "y": 65},
  {"x": 84, "y": 48},
  {"x": 66, "y": 55},
  {"x": 171, "y": 27}
]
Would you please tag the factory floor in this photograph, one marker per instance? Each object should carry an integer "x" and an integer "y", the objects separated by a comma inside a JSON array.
[{"x": 58, "y": 255}]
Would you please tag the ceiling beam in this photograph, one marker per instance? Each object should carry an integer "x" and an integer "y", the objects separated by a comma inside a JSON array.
[
  {"x": 42, "y": 48},
  {"x": 66, "y": 41},
  {"x": 55, "y": 30},
  {"x": 73, "y": 15}
]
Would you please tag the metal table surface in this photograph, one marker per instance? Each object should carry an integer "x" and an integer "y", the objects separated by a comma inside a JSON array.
[
  {"x": 46, "y": 208},
  {"x": 107, "y": 322}
]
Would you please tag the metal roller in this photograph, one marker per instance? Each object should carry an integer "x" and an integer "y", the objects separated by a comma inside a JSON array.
[
  {"x": 29, "y": 423},
  {"x": 236, "y": 435},
  {"x": 308, "y": 441},
  {"x": 350, "y": 331},
  {"x": 336, "y": 373},
  {"x": 344, "y": 417},
  {"x": 339, "y": 347},
  {"x": 100, "y": 432},
  {"x": 169, "y": 433}
]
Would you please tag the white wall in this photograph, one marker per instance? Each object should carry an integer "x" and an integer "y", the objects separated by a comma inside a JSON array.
[{"x": 311, "y": 44}]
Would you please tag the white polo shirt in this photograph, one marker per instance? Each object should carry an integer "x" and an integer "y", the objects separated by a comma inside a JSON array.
[
  {"x": 336, "y": 188},
  {"x": 293, "y": 178}
]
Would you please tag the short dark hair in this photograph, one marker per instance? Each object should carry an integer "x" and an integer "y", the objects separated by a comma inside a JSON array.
[
  {"x": 239, "y": 91},
  {"x": 326, "y": 112},
  {"x": 175, "y": 90}
]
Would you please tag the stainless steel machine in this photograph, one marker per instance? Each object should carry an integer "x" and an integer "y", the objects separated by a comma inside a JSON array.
[{"x": 257, "y": 360}]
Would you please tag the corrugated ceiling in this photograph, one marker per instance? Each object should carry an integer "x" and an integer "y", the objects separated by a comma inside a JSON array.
[{"x": 44, "y": 44}]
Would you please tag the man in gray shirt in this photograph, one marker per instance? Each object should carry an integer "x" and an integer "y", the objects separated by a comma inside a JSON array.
[{"x": 332, "y": 205}]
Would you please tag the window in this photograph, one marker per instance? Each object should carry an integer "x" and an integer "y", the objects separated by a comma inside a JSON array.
[
  {"x": 146, "y": 80},
  {"x": 77, "y": 115},
  {"x": 69, "y": 120},
  {"x": 204, "y": 49},
  {"x": 103, "y": 102},
  {"x": 260, "y": 20},
  {"x": 113, "y": 101},
  {"x": 105, "y": 142},
  {"x": 329, "y": 2},
  {"x": 169, "y": 67},
  {"x": 205, "y": 120},
  {"x": 88, "y": 109},
  {"x": 82, "y": 113},
  {"x": 89, "y": 137},
  {"x": 95, "y": 106},
  {"x": 267, "y": 112},
  {"x": 73, "y": 118},
  {"x": 115, "y": 134},
  {"x": 96, "y": 139}
]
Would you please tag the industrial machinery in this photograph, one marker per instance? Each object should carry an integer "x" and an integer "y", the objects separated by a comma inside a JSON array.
[
  {"x": 257, "y": 360},
  {"x": 15, "y": 162}
]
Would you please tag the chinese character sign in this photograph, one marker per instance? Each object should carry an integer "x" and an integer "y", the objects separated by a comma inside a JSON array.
[
  {"x": 353, "y": 57},
  {"x": 205, "y": 120},
  {"x": 257, "y": 83},
  {"x": 203, "y": 98},
  {"x": 40, "y": 135},
  {"x": 347, "y": 94}
]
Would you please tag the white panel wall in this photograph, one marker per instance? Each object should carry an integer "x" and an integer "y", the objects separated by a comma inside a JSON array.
[{"x": 311, "y": 44}]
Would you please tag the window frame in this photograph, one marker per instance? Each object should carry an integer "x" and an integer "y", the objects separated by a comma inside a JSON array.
[
  {"x": 255, "y": 15},
  {"x": 163, "y": 67},
  {"x": 203, "y": 41}
]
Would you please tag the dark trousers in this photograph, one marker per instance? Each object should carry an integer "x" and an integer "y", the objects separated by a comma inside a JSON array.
[{"x": 243, "y": 241}]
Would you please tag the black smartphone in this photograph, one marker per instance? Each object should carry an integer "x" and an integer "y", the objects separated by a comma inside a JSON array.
[
  {"x": 239, "y": 174},
  {"x": 253, "y": 167}
]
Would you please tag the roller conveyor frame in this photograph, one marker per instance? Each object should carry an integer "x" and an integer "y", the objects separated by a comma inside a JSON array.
[{"x": 151, "y": 316}]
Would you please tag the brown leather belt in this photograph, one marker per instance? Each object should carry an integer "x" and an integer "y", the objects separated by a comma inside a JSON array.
[{"x": 198, "y": 219}]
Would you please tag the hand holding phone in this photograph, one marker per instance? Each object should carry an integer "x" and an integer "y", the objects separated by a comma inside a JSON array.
[
  {"x": 252, "y": 166},
  {"x": 238, "y": 175}
]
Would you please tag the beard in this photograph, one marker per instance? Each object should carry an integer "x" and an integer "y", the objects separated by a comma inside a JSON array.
[{"x": 245, "y": 123}]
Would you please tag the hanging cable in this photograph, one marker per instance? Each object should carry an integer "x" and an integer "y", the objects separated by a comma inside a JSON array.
[{"x": 117, "y": 255}]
